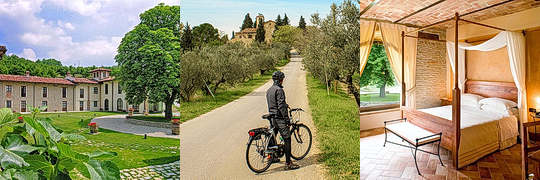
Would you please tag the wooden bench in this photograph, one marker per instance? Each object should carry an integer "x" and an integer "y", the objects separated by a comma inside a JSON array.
[{"x": 415, "y": 136}]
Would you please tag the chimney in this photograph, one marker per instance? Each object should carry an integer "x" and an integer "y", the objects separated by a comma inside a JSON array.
[{"x": 27, "y": 73}]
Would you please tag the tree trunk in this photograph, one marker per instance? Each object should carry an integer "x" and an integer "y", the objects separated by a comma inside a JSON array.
[
  {"x": 382, "y": 91},
  {"x": 168, "y": 110},
  {"x": 353, "y": 90}
]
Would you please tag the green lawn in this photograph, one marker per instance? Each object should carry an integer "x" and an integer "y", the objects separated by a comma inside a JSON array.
[
  {"x": 204, "y": 104},
  {"x": 133, "y": 150},
  {"x": 337, "y": 120},
  {"x": 392, "y": 97},
  {"x": 154, "y": 118}
]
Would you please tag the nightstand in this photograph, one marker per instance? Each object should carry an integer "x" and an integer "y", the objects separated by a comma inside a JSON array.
[{"x": 446, "y": 101}]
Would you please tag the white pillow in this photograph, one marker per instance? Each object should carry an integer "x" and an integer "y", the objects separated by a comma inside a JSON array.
[
  {"x": 471, "y": 100},
  {"x": 497, "y": 109},
  {"x": 499, "y": 103}
]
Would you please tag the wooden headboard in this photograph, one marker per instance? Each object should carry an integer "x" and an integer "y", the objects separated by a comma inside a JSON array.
[{"x": 505, "y": 90}]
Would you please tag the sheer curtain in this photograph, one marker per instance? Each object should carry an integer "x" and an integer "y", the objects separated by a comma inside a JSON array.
[
  {"x": 516, "y": 55},
  {"x": 367, "y": 29},
  {"x": 391, "y": 34},
  {"x": 515, "y": 43}
]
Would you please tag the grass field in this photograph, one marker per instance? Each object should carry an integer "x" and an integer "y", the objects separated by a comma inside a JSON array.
[
  {"x": 133, "y": 150},
  {"x": 392, "y": 97},
  {"x": 204, "y": 104},
  {"x": 338, "y": 124}
]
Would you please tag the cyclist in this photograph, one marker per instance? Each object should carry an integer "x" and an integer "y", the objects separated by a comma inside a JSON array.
[{"x": 275, "y": 97}]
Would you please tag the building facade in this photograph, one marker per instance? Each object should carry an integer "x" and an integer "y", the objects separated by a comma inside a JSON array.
[
  {"x": 247, "y": 35},
  {"x": 100, "y": 93}
]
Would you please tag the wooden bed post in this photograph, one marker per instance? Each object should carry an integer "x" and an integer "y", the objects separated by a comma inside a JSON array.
[
  {"x": 403, "y": 88},
  {"x": 456, "y": 98}
]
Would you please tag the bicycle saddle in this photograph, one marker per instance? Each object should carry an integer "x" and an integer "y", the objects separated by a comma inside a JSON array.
[{"x": 267, "y": 116}]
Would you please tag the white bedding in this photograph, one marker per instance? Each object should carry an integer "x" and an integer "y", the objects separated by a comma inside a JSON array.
[{"x": 482, "y": 132}]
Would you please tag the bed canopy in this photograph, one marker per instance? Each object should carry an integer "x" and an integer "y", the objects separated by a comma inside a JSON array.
[{"x": 400, "y": 42}]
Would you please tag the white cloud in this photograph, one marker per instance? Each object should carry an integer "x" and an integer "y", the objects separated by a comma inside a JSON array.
[
  {"x": 72, "y": 42},
  {"x": 65, "y": 25},
  {"x": 28, "y": 54}
]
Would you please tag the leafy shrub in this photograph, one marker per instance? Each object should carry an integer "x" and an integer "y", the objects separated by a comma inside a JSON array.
[{"x": 36, "y": 149}]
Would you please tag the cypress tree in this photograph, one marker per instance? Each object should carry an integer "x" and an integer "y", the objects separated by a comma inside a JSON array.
[
  {"x": 232, "y": 35},
  {"x": 302, "y": 23},
  {"x": 187, "y": 39},
  {"x": 285, "y": 20},
  {"x": 278, "y": 20},
  {"x": 248, "y": 23},
  {"x": 259, "y": 37}
]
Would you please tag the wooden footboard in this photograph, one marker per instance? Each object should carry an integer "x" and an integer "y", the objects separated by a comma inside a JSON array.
[{"x": 434, "y": 124}]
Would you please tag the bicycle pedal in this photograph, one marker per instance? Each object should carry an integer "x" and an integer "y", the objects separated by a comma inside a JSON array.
[{"x": 273, "y": 147}]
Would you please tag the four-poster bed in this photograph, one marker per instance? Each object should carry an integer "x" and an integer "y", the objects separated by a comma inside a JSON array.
[{"x": 480, "y": 133}]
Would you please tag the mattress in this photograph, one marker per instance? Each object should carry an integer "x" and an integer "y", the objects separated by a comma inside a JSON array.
[{"x": 482, "y": 132}]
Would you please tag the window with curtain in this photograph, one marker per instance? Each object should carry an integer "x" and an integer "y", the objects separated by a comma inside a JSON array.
[{"x": 379, "y": 88}]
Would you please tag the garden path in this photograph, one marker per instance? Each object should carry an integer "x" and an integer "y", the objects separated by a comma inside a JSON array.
[{"x": 118, "y": 123}]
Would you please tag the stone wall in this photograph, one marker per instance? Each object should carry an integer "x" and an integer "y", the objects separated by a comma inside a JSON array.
[{"x": 430, "y": 72}]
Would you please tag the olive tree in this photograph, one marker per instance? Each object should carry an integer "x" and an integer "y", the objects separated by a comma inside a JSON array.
[{"x": 332, "y": 50}]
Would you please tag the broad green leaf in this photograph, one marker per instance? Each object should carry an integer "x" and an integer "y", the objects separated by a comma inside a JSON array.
[
  {"x": 15, "y": 143},
  {"x": 7, "y": 174},
  {"x": 102, "y": 154},
  {"x": 40, "y": 164},
  {"x": 4, "y": 130},
  {"x": 72, "y": 137},
  {"x": 10, "y": 159},
  {"x": 6, "y": 116},
  {"x": 24, "y": 175},
  {"x": 53, "y": 133},
  {"x": 36, "y": 127},
  {"x": 66, "y": 152},
  {"x": 102, "y": 170}
]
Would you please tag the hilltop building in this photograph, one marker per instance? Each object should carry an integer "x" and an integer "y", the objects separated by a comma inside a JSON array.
[
  {"x": 247, "y": 35},
  {"x": 100, "y": 93}
]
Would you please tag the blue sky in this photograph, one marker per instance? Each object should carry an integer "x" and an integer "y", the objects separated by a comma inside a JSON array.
[
  {"x": 227, "y": 15},
  {"x": 76, "y": 32}
]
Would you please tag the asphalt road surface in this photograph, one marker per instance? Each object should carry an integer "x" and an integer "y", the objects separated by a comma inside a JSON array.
[{"x": 213, "y": 145}]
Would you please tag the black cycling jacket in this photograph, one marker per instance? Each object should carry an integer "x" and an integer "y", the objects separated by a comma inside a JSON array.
[{"x": 275, "y": 97}]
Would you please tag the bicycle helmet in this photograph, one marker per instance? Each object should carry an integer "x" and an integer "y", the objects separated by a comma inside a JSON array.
[{"x": 278, "y": 75}]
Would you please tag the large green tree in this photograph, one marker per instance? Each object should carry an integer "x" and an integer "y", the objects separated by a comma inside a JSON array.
[
  {"x": 278, "y": 20},
  {"x": 287, "y": 35},
  {"x": 332, "y": 49},
  {"x": 149, "y": 58},
  {"x": 302, "y": 23},
  {"x": 248, "y": 22},
  {"x": 259, "y": 36},
  {"x": 285, "y": 20},
  {"x": 205, "y": 34},
  {"x": 377, "y": 71},
  {"x": 187, "y": 39}
]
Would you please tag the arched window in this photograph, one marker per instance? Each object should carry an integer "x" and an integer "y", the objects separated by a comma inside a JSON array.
[
  {"x": 119, "y": 104},
  {"x": 106, "y": 105}
]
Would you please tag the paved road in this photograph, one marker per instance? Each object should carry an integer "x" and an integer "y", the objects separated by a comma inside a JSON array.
[
  {"x": 213, "y": 145},
  {"x": 118, "y": 123}
]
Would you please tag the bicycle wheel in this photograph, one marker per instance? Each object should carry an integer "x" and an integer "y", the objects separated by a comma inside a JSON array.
[
  {"x": 301, "y": 140},
  {"x": 257, "y": 160}
]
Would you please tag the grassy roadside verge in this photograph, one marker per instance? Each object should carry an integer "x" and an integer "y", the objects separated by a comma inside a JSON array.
[
  {"x": 204, "y": 104},
  {"x": 338, "y": 125}
]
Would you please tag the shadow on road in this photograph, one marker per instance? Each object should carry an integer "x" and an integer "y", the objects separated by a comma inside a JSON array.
[{"x": 279, "y": 167}]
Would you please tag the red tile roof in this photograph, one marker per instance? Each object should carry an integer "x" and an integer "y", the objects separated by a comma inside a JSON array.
[
  {"x": 83, "y": 80},
  {"x": 34, "y": 79},
  {"x": 110, "y": 78}
]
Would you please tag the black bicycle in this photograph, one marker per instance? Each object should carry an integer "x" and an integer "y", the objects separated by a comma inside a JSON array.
[{"x": 259, "y": 153}]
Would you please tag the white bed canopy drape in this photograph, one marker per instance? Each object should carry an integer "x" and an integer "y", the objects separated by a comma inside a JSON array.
[
  {"x": 515, "y": 44},
  {"x": 391, "y": 35}
]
